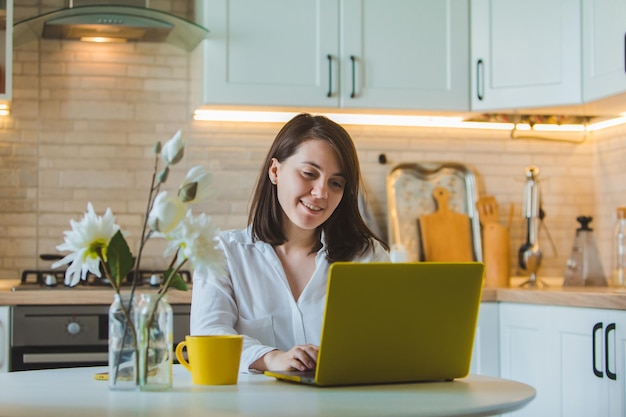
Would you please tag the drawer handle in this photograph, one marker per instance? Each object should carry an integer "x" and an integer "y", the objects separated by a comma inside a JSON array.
[
  {"x": 610, "y": 328},
  {"x": 596, "y": 327},
  {"x": 330, "y": 75},
  {"x": 353, "y": 60},
  {"x": 480, "y": 80}
]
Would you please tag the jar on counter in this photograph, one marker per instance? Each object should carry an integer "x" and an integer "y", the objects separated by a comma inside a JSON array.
[{"x": 618, "y": 261}]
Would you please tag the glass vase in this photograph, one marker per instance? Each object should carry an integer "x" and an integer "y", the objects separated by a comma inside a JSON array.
[
  {"x": 123, "y": 357},
  {"x": 155, "y": 325}
]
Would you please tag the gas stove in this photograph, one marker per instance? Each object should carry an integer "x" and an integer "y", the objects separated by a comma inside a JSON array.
[
  {"x": 61, "y": 336},
  {"x": 37, "y": 279}
]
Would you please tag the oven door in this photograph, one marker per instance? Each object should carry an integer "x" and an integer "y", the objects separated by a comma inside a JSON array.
[{"x": 55, "y": 336}]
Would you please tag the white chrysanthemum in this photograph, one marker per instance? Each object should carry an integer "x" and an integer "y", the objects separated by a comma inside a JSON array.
[
  {"x": 195, "y": 238},
  {"x": 166, "y": 213},
  {"x": 173, "y": 149},
  {"x": 87, "y": 237},
  {"x": 202, "y": 190}
]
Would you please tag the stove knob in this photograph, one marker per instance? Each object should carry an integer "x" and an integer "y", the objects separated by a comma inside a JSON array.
[
  {"x": 73, "y": 328},
  {"x": 50, "y": 280},
  {"x": 155, "y": 280}
]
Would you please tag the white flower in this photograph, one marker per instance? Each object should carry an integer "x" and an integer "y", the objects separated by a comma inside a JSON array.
[
  {"x": 195, "y": 239},
  {"x": 166, "y": 213},
  {"x": 87, "y": 239},
  {"x": 173, "y": 150},
  {"x": 196, "y": 186}
]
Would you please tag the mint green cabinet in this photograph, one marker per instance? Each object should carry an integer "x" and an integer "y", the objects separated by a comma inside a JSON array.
[
  {"x": 387, "y": 54},
  {"x": 604, "y": 48}
]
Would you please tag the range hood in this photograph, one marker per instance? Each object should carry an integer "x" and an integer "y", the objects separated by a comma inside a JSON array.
[{"x": 91, "y": 20}]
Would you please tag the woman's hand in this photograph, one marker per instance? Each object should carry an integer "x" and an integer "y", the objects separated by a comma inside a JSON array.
[{"x": 299, "y": 358}]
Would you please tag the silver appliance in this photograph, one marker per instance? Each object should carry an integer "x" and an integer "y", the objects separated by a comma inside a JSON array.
[
  {"x": 63, "y": 336},
  {"x": 530, "y": 253},
  {"x": 106, "y": 20}
]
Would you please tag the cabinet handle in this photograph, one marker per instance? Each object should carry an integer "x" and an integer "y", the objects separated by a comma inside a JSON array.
[
  {"x": 624, "y": 52},
  {"x": 609, "y": 329},
  {"x": 353, "y": 60},
  {"x": 330, "y": 75},
  {"x": 480, "y": 76},
  {"x": 596, "y": 327}
]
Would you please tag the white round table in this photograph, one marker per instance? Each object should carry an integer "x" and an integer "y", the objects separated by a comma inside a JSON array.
[{"x": 75, "y": 392}]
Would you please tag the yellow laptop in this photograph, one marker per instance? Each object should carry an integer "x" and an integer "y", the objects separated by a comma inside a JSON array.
[{"x": 396, "y": 322}]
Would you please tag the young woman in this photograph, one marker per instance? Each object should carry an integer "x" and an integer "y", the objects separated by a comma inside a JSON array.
[{"x": 304, "y": 216}]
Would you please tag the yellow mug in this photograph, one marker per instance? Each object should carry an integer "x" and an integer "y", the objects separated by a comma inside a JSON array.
[{"x": 213, "y": 359}]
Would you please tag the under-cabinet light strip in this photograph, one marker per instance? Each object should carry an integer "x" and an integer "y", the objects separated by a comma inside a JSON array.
[{"x": 395, "y": 120}]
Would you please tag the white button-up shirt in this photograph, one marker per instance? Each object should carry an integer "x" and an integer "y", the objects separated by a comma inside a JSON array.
[{"x": 254, "y": 299}]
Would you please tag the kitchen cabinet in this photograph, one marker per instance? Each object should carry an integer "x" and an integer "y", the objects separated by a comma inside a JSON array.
[
  {"x": 394, "y": 54},
  {"x": 5, "y": 337},
  {"x": 524, "y": 350},
  {"x": 486, "y": 354},
  {"x": 6, "y": 50},
  {"x": 604, "y": 48},
  {"x": 574, "y": 357},
  {"x": 589, "y": 347},
  {"x": 525, "y": 54}
]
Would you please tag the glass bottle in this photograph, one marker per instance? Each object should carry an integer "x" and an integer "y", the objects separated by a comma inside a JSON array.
[
  {"x": 618, "y": 261},
  {"x": 155, "y": 327},
  {"x": 584, "y": 266},
  {"x": 123, "y": 358}
]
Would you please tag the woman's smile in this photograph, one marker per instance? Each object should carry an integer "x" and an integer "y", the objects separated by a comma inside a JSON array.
[{"x": 310, "y": 184}]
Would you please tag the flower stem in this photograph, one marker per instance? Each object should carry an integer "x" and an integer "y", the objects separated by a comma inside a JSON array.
[
  {"x": 144, "y": 234},
  {"x": 151, "y": 317},
  {"x": 128, "y": 322}
]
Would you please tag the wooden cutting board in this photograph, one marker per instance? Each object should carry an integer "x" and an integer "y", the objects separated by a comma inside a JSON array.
[
  {"x": 445, "y": 234},
  {"x": 496, "y": 244}
]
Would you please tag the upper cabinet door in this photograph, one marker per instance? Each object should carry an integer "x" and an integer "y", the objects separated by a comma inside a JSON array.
[
  {"x": 604, "y": 48},
  {"x": 270, "y": 52},
  {"x": 391, "y": 54},
  {"x": 405, "y": 54},
  {"x": 525, "y": 53}
]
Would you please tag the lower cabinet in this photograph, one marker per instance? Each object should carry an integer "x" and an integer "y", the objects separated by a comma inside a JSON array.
[
  {"x": 574, "y": 357},
  {"x": 5, "y": 335},
  {"x": 486, "y": 354},
  {"x": 590, "y": 345},
  {"x": 524, "y": 354}
]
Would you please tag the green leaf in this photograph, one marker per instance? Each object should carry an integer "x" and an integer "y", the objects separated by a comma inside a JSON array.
[
  {"x": 177, "y": 281},
  {"x": 119, "y": 258},
  {"x": 157, "y": 148}
]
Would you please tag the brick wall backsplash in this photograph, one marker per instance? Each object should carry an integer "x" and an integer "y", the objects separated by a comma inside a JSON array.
[{"x": 84, "y": 119}]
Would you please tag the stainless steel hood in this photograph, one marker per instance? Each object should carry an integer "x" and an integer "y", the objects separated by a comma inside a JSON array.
[{"x": 112, "y": 23}]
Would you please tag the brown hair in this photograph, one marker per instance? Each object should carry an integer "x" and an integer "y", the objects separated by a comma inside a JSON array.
[{"x": 345, "y": 232}]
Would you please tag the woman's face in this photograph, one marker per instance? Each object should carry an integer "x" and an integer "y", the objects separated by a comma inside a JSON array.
[{"x": 310, "y": 184}]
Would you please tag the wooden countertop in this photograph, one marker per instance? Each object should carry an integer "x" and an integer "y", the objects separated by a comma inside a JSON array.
[
  {"x": 595, "y": 297},
  {"x": 55, "y": 296}
]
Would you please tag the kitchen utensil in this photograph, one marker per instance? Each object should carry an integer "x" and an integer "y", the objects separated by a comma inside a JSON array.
[
  {"x": 446, "y": 235},
  {"x": 529, "y": 254},
  {"x": 584, "y": 267},
  {"x": 496, "y": 243},
  {"x": 409, "y": 196}
]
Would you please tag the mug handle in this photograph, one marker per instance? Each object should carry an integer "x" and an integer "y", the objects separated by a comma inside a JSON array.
[{"x": 179, "y": 355}]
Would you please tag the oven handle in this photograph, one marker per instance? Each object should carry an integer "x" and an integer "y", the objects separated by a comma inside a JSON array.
[{"x": 65, "y": 357}]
